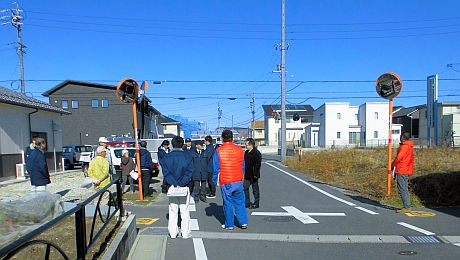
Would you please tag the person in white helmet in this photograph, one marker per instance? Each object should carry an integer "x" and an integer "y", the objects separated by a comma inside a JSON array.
[{"x": 103, "y": 141}]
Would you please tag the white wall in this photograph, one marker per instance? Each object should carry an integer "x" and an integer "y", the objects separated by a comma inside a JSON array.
[
  {"x": 337, "y": 120},
  {"x": 376, "y": 120},
  {"x": 311, "y": 135}
]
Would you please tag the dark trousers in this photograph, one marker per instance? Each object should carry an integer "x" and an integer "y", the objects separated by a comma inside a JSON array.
[
  {"x": 199, "y": 188},
  {"x": 131, "y": 183},
  {"x": 212, "y": 186},
  {"x": 255, "y": 191},
  {"x": 146, "y": 176}
]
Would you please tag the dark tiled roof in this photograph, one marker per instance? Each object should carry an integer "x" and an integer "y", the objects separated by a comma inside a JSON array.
[
  {"x": 14, "y": 98},
  {"x": 406, "y": 111},
  {"x": 300, "y": 109},
  {"x": 167, "y": 120},
  {"x": 78, "y": 83}
]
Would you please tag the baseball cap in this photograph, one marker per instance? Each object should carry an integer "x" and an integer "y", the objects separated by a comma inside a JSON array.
[
  {"x": 188, "y": 140},
  {"x": 100, "y": 149},
  {"x": 103, "y": 140},
  {"x": 199, "y": 142}
]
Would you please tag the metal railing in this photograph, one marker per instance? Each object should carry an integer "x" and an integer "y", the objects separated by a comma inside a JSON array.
[{"x": 82, "y": 246}]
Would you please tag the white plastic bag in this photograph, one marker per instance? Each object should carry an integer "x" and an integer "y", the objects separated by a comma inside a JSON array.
[
  {"x": 134, "y": 175},
  {"x": 87, "y": 182},
  {"x": 177, "y": 191}
]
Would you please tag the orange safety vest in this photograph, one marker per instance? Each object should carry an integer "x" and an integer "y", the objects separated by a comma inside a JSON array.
[{"x": 231, "y": 158}]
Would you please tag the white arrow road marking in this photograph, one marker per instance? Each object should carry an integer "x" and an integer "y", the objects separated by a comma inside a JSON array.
[
  {"x": 303, "y": 217},
  {"x": 423, "y": 231}
]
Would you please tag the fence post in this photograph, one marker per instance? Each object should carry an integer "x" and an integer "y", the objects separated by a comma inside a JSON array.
[
  {"x": 120, "y": 198},
  {"x": 80, "y": 232}
]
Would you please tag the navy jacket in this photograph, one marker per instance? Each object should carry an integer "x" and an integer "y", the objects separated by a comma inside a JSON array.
[
  {"x": 37, "y": 168},
  {"x": 177, "y": 168},
  {"x": 161, "y": 154},
  {"x": 201, "y": 165},
  {"x": 210, "y": 149},
  {"x": 146, "y": 159}
]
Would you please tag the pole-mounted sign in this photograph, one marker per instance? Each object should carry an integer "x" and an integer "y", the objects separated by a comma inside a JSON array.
[
  {"x": 128, "y": 91},
  {"x": 389, "y": 86}
]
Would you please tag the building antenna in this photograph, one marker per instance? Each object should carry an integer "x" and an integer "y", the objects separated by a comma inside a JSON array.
[{"x": 16, "y": 20}]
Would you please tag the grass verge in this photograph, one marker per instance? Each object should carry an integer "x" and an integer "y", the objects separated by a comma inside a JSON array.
[
  {"x": 363, "y": 171},
  {"x": 134, "y": 198}
]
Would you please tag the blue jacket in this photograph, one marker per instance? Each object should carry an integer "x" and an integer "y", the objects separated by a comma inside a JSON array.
[
  {"x": 210, "y": 149},
  {"x": 200, "y": 165},
  {"x": 146, "y": 159},
  {"x": 177, "y": 168},
  {"x": 37, "y": 168},
  {"x": 161, "y": 154}
]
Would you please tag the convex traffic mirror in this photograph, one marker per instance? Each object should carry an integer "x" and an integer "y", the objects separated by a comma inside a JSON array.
[
  {"x": 388, "y": 85},
  {"x": 128, "y": 90}
]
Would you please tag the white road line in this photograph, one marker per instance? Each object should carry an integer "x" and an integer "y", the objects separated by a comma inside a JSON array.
[
  {"x": 457, "y": 244},
  {"x": 191, "y": 201},
  {"x": 312, "y": 186},
  {"x": 367, "y": 210},
  {"x": 194, "y": 224},
  {"x": 423, "y": 231},
  {"x": 274, "y": 214},
  {"x": 200, "y": 251},
  {"x": 299, "y": 215},
  {"x": 192, "y": 208}
]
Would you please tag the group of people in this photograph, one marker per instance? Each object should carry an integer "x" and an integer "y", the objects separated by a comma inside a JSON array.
[{"x": 204, "y": 166}]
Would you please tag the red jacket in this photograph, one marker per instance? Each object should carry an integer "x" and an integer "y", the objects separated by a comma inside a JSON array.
[
  {"x": 231, "y": 160},
  {"x": 404, "y": 161}
]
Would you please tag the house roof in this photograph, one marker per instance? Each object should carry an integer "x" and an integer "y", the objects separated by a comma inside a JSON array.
[
  {"x": 300, "y": 109},
  {"x": 164, "y": 120},
  {"x": 259, "y": 124},
  {"x": 405, "y": 111},
  {"x": 14, "y": 98},
  {"x": 78, "y": 83}
]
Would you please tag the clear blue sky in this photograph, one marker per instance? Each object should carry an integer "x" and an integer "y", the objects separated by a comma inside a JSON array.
[{"x": 235, "y": 41}]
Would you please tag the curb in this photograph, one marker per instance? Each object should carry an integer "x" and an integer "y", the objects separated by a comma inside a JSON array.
[{"x": 123, "y": 241}]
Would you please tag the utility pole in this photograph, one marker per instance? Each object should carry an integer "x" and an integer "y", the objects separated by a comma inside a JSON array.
[
  {"x": 283, "y": 80},
  {"x": 253, "y": 112},
  {"x": 219, "y": 115},
  {"x": 16, "y": 21}
]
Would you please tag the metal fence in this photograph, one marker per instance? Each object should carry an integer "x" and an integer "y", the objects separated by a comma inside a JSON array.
[{"x": 82, "y": 245}]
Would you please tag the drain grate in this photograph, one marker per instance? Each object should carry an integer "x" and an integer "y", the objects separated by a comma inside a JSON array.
[
  {"x": 424, "y": 239},
  {"x": 279, "y": 219}
]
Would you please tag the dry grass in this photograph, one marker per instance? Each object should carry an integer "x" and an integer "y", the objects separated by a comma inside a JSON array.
[{"x": 364, "y": 172}]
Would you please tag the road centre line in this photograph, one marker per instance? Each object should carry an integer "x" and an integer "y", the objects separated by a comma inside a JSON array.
[
  {"x": 200, "y": 251},
  {"x": 367, "y": 210},
  {"x": 312, "y": 186},
  {"x": 421, "y": 230}
]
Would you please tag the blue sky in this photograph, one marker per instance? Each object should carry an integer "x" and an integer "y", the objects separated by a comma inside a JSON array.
[{"x": 179, "y": 42}]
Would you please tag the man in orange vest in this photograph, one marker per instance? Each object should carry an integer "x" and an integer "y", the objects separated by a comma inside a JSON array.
[
  {"x": 404, "y": 167},
  {"x": 228, "y": 172}
]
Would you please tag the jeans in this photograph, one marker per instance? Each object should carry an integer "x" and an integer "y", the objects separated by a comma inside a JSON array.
[
  {"x": 176, "y": 205},
  {"x": 255, "y": 191},
  {"x": 403, "y": 188},
  {"x": 233, "y": 200}
]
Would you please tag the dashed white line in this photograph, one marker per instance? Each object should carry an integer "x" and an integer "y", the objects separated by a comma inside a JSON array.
[
  {"x": 367, "y": 210},
  {"x": 421, "y": 230},
  {"x": 194, "y": 224},
  {"x": 200, "y": 251},
  {"x": 192, "y": 208},
  {"x": 312, "y": 186},
  {"x": 457, "y": 244}
]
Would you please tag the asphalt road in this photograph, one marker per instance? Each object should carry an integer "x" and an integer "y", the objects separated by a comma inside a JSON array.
[{"x": 336, "y": 225}]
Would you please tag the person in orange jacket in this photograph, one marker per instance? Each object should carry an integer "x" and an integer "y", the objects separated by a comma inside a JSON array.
[{"x": 404, "y": 167}]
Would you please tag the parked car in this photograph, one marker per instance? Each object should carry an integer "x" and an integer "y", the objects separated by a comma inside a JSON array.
[
  {"x": 78, "y": 155},
  {"x": 121, "y": 142},
  {"x": 115, "y": 153}
]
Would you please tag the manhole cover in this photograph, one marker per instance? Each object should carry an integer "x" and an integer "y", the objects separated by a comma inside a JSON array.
[
  {"x": 407, "y": 252},
  {"x": 279, "y": 219},
  {"x": 424, "y": 239}
]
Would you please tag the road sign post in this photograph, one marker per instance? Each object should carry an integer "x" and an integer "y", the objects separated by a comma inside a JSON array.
[
  {"x": 128, "y": 91},
  {"x": 389, "y": 86}
]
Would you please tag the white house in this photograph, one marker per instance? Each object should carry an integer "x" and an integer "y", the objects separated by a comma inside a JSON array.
[
  {"x": 448, "y": 125},
  {"x": 170, "y": 126},
  {"x": 21, "y": 119},
  {"x": 294, "y": 129},
  {"x": 338, "y": 124}
]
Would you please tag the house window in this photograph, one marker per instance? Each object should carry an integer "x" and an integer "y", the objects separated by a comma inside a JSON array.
[
  {"x": 356, "y": 116},
  {"x": 74, "y": 104},
  {"x": 65, "y": 104},
  {"x": 395, "y": 132},
  {"x": 339, "y": 116},
  {"x": 304, "y": 120},
  {"x": 94, "y": 103},
  {"x": 338, "y": 135},
  {"x": 376, "y": 134},
  {"x": 104, "y": 103},
  {"x": 376, "y": 115}
]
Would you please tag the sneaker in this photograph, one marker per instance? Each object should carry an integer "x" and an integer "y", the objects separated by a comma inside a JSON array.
[
  {"x": 211, "y": 196},
  {"x": 244, "y": 226},
  {"x": 227, "y": 228}
]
